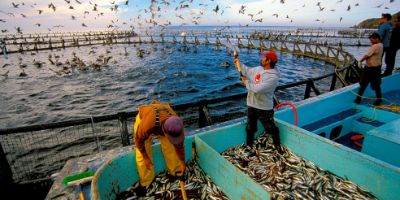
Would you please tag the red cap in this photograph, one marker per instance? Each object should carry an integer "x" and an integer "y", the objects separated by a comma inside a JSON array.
[
  {"x": 271, "y": 56},
  {"x": 174, "y": 130}
]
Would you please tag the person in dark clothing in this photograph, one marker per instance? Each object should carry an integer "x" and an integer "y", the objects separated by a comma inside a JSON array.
[
  {"x": 384, "y": 31},
  {"x": 372, "y": 71},
  {"x": 394, "y": 45}
]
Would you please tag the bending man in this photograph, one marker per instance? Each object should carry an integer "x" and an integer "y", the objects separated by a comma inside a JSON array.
[{"x": 158, "y": 120}]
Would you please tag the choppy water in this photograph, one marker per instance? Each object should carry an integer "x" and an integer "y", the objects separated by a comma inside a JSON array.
[{"x": 127, "y": 81}]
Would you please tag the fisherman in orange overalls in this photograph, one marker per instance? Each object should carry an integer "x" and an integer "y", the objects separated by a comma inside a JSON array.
[{"x": 158, "y": 120}]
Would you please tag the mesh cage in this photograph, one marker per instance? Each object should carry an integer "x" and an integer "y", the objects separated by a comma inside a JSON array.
[{"x": 38, "y": 154}]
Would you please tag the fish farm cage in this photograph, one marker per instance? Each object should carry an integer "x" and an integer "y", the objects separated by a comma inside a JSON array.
[{"x": 31, "y": 156}]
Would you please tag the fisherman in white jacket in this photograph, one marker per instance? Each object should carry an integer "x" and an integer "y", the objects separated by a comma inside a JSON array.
[{"x": 260, "y": 82}]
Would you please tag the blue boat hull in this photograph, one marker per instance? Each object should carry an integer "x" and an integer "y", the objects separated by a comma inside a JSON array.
[{"x": 376, "y": 167}]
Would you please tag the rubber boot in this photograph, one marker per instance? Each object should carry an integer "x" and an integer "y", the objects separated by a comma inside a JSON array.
[
  {"x": 250, "y": 138},
  {"x": 360, "y": 93},
  {"x": 378, "y": 96}
]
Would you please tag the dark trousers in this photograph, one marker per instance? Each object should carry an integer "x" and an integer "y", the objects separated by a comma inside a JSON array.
[
  {"x": 390, "y": 59},
  {"x": 267, "y": 120},
  {"x": 371, "y": 75}
]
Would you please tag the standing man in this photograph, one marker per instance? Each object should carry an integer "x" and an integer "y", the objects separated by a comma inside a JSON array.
[
  {"x": 158, "y": 120},
  {"x": 384, "y": 31},
  {"x": 372, "y": 71},
  {"x": 260, "y": 82},
  {"x": 394, "y": 45}
]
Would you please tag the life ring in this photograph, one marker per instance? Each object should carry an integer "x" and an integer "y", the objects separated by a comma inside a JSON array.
[{"x": 294, "y": 110}]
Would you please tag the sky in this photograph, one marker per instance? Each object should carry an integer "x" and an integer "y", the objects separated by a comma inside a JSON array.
[{"x": 27, "y": 16}]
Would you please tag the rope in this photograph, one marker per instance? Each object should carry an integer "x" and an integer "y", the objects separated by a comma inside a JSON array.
[{"x": 392, "y": 106}]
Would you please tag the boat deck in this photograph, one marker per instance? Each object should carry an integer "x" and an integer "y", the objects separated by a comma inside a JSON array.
[{"x": 330, "y": 119}]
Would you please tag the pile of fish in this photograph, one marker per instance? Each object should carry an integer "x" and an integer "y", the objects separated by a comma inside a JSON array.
[
  {"x": 197, "y": 186},
  {"x": 287, "y": 176}
]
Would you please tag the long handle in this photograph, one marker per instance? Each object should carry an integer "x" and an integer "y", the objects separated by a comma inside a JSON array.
[
  {"x": 182, "y": 184},
  {"x": 80, "y": 190}
]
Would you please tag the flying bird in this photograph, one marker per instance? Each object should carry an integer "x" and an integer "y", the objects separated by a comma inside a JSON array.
[
  {"x": 216, "y": 9},
  {"x": 19, "y": 30},
  {"x": 15, "y": 5},
  {"x": 242, "y": 9},
  {"x": 52, "y": 6}
]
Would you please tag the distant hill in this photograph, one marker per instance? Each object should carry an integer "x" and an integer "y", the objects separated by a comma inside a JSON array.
[{"x": 374, "y": 22}]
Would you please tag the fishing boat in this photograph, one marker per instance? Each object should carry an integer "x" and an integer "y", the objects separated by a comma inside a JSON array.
[{"x": 358, "y": 142}]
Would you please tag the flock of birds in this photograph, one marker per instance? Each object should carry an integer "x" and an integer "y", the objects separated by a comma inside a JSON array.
[
  {"x": 146, "y": 18},
  {"x": 60, "y": 68},
  {"x": 62, "y": 65},
  {"x": 153, "y": 16}
]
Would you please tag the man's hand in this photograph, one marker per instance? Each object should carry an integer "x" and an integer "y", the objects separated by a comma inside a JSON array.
[
  {"x": 148, "y": 163},
  {"x": 236, "y": 62},
  {"x": 243, "y": 79},
  {"x": 183, "y": 167}
]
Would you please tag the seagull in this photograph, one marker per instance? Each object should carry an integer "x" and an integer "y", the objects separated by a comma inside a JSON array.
[
  {"x": 242, "y": 9},
  {"x": 19, "y": 30},
  {"x": 52, "y": 6},
  {"x": 15, "y": 5},
  {"x": 216, "y": 9}
]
